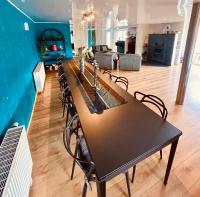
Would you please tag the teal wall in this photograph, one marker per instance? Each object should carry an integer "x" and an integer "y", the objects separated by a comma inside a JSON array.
[
  {"x": 64, "y": 28},
  {"x": 18, "y": 58},
  {"x": 91, "y": 38}
]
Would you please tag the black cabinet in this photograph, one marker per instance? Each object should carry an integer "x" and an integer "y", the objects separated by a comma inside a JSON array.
[{"x": 161, "y": 48}]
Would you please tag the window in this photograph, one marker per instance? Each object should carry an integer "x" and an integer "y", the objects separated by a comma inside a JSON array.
[
  {"x": 108, "y": 38},
  {"x": 122, "y": 34}
]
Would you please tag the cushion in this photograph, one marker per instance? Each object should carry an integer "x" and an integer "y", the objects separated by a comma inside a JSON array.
[
  {"x": 104, "y": 48},
  {"x": 98, "y": 48}
]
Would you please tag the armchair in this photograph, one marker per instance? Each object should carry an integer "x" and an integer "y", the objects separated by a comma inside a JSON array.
[
  {"x": 130, "y": 62},
  {"x": 105, "y": 60}
]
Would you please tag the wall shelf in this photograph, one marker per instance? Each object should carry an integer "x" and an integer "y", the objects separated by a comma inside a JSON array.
[{"x": 47, "y": 39}]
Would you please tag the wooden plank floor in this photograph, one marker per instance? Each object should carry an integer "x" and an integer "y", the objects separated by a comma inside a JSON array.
[{"x": 52, "y": 165}]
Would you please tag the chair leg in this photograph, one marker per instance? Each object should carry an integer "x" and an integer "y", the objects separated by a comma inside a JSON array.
[
  {"x": 73, "y": 168},
  {"x": 67, "y": 117},
  {"x": 63, "y": 110},
  {"x": 133, "y": 175},
  {"x": 160, "y": 154},
  {"x": 127, "y": 87},
  {"x": 84, "y": 190},
  {"x": 74, "y": 163},
  {"x": 128, "y": 184}
]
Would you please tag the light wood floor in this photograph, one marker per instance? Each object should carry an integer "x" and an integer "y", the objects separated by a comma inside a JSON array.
[{"x": 52, "y": 165}]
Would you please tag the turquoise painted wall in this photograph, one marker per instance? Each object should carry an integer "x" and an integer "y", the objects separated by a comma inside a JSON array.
[
  {"x": 91, "y": 38},
  {"x": 62, "y": 27},
  {"x": 18, "y": 58}
]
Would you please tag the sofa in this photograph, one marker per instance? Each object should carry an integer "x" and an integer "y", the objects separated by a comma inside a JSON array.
[
  {"x": 100, "y": 48},
  {"x": 130, "y": 62}
]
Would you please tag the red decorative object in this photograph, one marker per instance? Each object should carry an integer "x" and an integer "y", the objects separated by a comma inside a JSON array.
[{"x": 54, "y": 48}]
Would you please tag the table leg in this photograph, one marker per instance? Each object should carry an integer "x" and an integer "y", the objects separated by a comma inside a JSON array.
[
  {"x": 101, "y": 189},
  {"x": 170, "y": 160}
]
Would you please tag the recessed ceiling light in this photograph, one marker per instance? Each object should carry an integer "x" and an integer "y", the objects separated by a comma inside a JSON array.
[{"x": 23, "y": 1}]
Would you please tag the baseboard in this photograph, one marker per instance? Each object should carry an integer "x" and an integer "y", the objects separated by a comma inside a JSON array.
[{"x": 32, "y": 113}]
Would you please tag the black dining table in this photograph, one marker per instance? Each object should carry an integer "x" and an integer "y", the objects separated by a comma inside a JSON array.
[{"x": 120, "y": 137}]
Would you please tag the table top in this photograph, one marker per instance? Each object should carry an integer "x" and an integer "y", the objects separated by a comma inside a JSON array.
[{"x": 119, "y": 137}]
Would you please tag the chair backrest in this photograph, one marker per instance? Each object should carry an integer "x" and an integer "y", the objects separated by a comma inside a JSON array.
[
  {"x": 60, "y": 70},
  {"x": 122, "y": 80},
  {"x": 154, "y": 100},
  {"x": 60, "y": 73},
  {"x": 65, "y": 93},
  {"x": 78, "y": 155},
  {"x": 109, "y": 72},
  {"x": 71, "y": 108},
  {"x": 63, "y": 81}
]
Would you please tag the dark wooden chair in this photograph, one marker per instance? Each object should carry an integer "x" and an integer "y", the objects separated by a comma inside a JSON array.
[
  {"x": 65, "y": 93},
  {"x": 159, "y": 104},
  {"x": 122, "y": 80},
  {"x": 65, "y": 97},
  {"x": 62, "y": 81},
  {"x": 61, "y": 75},
  {"x": 71, "y": 109},
  {"x": 81, "y": 155},
  {"x": 109, "y": 72},
  {"x": 60, "y": 70}
]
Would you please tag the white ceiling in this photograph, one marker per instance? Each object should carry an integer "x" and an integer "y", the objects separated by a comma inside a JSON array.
[
  {"x": 150, "y": 11},
  {"x": 46, "y": 10},
  {"x": 135, "y": 11}
]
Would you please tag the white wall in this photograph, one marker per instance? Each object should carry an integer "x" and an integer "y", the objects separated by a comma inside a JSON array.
[
  {"x": 197, "y": 46},
  {"x": 80, "y": 30},
  {"x": 143, "y": 30},
  {"x": 80, "y": 35},
  {"x": 159, "y": 28},
  {"x": 149, "y": 16},
  {"x": 100, "y": 32}
]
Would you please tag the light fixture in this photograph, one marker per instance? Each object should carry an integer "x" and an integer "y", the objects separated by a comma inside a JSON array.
[
  {"x": 88, "y": 15},
  {"x": 26, "y": 26}
]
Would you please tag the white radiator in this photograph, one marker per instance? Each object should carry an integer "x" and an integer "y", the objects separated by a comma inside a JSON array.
[
  {"x": 15, "y": 164},
  {"x": 39, "y": 77}
]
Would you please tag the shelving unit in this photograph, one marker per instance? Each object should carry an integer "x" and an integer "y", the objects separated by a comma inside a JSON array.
[{"x": 49, "y": 54}]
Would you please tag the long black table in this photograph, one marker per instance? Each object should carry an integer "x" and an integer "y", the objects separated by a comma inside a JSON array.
[{"x": 120, "y": 137}]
